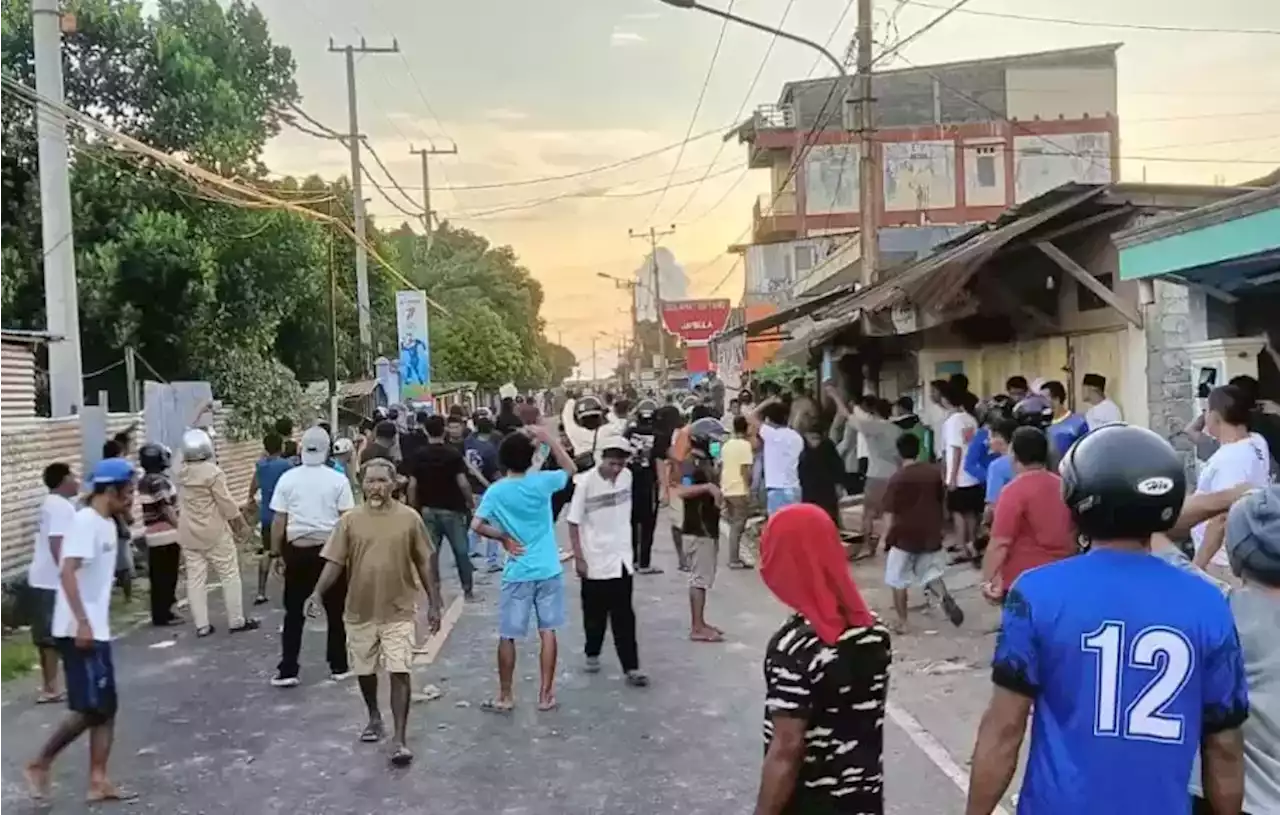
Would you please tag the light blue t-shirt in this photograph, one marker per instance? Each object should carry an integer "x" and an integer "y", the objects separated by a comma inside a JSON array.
[
  {"x": 521, "y": 507},
  {"x": 1067, "y": 431},
  {"x": 999, "y": 474}
]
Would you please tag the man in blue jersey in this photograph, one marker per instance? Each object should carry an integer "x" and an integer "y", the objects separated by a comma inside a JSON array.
[
  {"x": 1130, "y": 663},
  {"x": 1066, "y": 426}
]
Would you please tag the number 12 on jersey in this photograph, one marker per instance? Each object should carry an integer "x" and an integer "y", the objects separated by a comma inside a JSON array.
[{"x": 1163, "y": 652}]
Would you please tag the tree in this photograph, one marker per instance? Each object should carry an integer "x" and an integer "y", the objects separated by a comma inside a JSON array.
[
  {"x": 561, "y": 363},
  {"x": 473, "y": 344}
]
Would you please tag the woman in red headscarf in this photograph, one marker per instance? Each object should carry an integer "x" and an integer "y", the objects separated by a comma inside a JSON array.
[{"x": 826, "y": 674}]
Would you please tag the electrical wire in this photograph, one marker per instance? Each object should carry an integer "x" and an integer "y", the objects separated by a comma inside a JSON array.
[
  {"x": 247, "y": 193},
  {"x": 1180, "y": 29},
  {"x": 378, "y": 160},
  {"x": 697, "y": 108},
  {"x": 737, "y": 117}
]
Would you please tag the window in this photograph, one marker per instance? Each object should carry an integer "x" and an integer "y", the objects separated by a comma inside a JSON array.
[
  {"x": 804, "y": 258},
  {"x": 1086, "y": 300},
  {"x": 986, "y": 170}
]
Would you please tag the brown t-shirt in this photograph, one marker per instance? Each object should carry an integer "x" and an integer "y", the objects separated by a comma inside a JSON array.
[
  {"x": 376, "y": 546},
  {"x": 916, "y": 497}
]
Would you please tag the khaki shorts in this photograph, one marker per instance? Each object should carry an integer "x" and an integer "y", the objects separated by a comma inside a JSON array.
[
  {"x": 388, "y": 646},
  {"x": 677, "y": 512},
  {"x": 703, "y": 554}
]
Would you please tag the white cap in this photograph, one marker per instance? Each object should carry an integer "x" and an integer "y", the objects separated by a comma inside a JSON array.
[
  {"x": 314, "y": 446},
  {"x": 614, "y": 441}
]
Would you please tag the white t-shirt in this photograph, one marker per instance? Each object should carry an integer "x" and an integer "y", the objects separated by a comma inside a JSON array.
[
  {"x": 957, "y": 431},
  {"x": 314, "y": 496},
  {"x": 92, "y": 539},
  {"x": 934, "y": 417},
  {"x": 1247, "y": 461},
  {"x": 602, "y": 512},
  {"x": 1102, "y": 413},
  {"x": 782, "y": 448},
  {"x": 57, "y": 516}
]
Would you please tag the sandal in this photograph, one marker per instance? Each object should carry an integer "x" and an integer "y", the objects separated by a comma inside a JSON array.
[
  {"x": 260, "y": 600},
  {"x": 250, "y": 624},
  {"x": 372, "y": 732},
  {"x": 110, "y": 793},
  {"x": 707, "y": 636},
  {"x": 206, "y": 631},
  {"x": 739, "y": 564},
  {"x": 401, "y": 756},
  {"x": 495, "y": 706},
  {"x": 50, "y": 698}
]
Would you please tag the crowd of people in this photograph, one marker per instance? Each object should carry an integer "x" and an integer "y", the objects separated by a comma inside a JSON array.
[{"x": 1070, "y": 517}]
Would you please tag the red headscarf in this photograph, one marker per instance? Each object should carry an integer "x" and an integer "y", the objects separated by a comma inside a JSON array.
[{"x": 803, "y": 563}]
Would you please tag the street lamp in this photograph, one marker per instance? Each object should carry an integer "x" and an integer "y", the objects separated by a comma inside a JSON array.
[
  {"x": 868, "y": 205},
  {"x": 768, "y": 29}
]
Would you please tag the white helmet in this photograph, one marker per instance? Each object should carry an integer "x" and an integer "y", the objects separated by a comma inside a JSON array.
[
  {"x": 343, "y": 447},
  {"x": 197, "y": 445}
]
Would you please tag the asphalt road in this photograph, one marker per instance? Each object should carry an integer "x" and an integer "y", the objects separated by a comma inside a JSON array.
[{"x": 201, "y": 731}]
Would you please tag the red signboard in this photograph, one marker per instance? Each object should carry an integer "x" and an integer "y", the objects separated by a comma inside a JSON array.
[{"x": 695, "y": 321}]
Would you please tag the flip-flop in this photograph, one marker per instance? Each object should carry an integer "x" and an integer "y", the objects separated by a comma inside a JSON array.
[
  {"x": 494, "y": 706},
  {"x": 740, "y": 565},
  {"x": 113, "y": 794},
  {"x": 711, "y": 637},
  {"x": 50, "y": 698},
  {"x": 549, "y": 706},
  {"x": 401, "y": 756},
  {"x": 372, "y": 733}
]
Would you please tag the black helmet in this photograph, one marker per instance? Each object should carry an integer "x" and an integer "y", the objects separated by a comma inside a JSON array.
[
  {"x": 1123, "y": 481},
  {"x": 1253, "y": 536},
  {"x": 704, "y": 432},
  {"x": 646, "y": 407},
  {"x": 1034, "y": 411},
  {"x": 153, "y": 457},
  {"x": 588, "y": 413}
]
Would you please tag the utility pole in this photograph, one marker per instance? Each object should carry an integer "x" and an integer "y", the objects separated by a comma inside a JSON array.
[
  {"x": 333, "y": 331},
  {"x": 62, "y": 309},
  {"x": 353, "y": 144},
  {"x": 426, "y": 183},
  {"x": 653, "y": 235},
  {"x": 593, "y": 360},
  {"x": 868, "y": 202},
  {"x": 131, "y": 379}
]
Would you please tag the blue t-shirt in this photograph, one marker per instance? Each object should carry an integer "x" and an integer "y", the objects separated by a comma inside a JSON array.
[
  {"x": 978, "y": 455},
  {"x": 1130, "y": 661},
  {"x": 999, "y": 474},
  {"x": 269, "y": 470},
  {"x": 521, "y": 507},
  {"x": 1066, "y": 432}
]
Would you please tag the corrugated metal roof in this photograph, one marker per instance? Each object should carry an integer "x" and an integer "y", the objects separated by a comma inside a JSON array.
[{"x": 937, "y": 277}]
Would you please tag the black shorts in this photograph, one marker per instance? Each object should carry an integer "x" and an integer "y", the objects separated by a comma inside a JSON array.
[
  {"x": 41, "y": 615},
  {"x": 91, "y": 679},
  {"x": 967, "y": 500}
]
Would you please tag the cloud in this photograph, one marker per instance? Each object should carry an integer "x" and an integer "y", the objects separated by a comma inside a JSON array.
[
  {"x": 505, "y": 115},
  {"x": 621, "y": 39}
]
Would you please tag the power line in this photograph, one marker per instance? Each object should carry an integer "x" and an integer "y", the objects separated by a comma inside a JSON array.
[
  {"x": 697, "y": 108},
  {"x": 1181, "y": 29},
  {"x": 746, "y": 100},
  {"x": 392, "y": 179}
]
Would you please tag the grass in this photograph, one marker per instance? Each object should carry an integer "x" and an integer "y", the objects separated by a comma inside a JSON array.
[{"x": 18, "y": 657}]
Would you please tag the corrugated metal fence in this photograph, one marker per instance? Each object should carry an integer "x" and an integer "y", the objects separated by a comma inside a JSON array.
[
  {"x": 17, "y": 380},
  {"x": 29, "y": 444}
]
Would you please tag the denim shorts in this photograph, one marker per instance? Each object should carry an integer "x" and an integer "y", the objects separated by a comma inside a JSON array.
[
  {"x": 522, "y": 599},
  {"x": 778, "y": 497},
  {"x": 91, "y": 679}
]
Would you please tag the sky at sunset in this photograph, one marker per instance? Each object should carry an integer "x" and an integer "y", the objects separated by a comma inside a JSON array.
[{"x": 535, "y": 88}]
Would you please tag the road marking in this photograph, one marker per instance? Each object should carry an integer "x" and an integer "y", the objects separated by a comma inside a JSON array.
[
  {"x": 433, "y": 646},
  {"x": 932, "y": 748}
]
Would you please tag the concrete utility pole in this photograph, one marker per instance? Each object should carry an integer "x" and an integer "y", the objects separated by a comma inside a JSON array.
[
  {"x": 62, "y": 308},
  {"x": 652, "y": 235},
  {"x": 426, "y": 183},
  {"x": 868, "y": 201},
  {"x": 353, "y": 144}
]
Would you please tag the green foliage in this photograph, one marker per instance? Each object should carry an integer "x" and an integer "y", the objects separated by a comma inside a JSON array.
[
  {"x": 782, "y": 374},
  {"x": 204, "y": 290},
  {"x": 561, "y": 362}
]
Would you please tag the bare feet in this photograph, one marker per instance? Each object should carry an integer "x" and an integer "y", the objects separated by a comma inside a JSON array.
[
  {"x": 106, "y": 791},
  {"x": 37, "y": 780},
  {"x": 899, "y": 627},
  {"x": 546, "y": 703}
]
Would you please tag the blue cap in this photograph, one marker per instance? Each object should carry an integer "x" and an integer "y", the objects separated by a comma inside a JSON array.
[{"x": 111, "y": 471}]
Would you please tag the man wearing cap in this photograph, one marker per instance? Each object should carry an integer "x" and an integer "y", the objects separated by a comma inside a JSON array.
[
  {"x": 82, "y": 631},
  {"x": 1102, "y": 410},
  {"x": 307, "y": 502},
  {"x": 600, "y": 531}
]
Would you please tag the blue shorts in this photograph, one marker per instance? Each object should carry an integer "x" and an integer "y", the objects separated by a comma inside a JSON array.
[
  {"x": 520, "y": 600},
  {"x": 777, "y": 497},
  {"x": 91, "y": 679}
]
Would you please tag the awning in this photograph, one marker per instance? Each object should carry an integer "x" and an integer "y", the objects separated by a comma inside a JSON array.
[
  {"x": 813, "y": 336},
  {"x": 786, "y": 315},
  {"x": 938, "y": 277}
]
